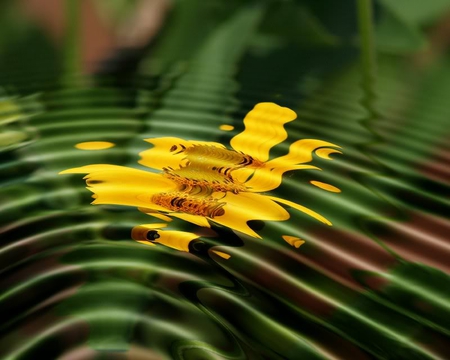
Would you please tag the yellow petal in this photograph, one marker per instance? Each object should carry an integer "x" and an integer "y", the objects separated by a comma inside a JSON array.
[
  {"x": 243, "y": 207},
  {"x": 168, "y": 152},
  {"x": 154, "y": 226},
  {"x": 266, "y": 179},
  {"x": 243, "y": 174},
  {"x": 300, "y": 152},
  {"x": 139, "y": 233},
  {"x": 270, "y": 176},
  {"x": 146, "y": 242},
  {"x": 119, "y": 185},
  {"x": 178, "y": 240},
  {"x": 194, "y": 219},
  {"x": 264, "y": 128},
  {"x": 161, "y": 217},
  {"x": 302, "y": 209},
  {"x": 325, "y": 153},
  {"x": 155, "y": 214}
]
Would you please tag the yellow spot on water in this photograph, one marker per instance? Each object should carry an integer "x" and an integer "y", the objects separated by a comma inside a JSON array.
[
  {"x": 94, "y": 145},
  {"x": 325, "y": 186},
  {"x": 221, "y": 254},
  {"x": 293, "y": 241},
  {"x": 226, "y": 127}
]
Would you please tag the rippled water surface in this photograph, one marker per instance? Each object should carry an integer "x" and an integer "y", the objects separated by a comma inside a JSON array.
[{"x": 374, "y": 285}]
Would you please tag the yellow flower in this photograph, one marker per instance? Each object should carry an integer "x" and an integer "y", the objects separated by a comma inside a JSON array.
[{"x": 202, "y": 182}]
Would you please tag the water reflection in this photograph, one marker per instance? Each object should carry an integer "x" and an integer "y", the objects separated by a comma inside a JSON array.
[
  {"x": 371, "y": 286},
  {"x": 203, "y": 181}
]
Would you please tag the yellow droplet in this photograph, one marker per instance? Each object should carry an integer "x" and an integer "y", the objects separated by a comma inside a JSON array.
[
  {"x": 293, "y": 240},
  {"x": 325, "y": 186},
  {"x": 94, "y": 145},
  {"x": 226, "y": 127},
  {"x": 221, "y": 254}
]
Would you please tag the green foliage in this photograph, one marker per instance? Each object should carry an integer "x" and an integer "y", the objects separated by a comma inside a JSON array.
[
  {"x": 296, "y": 23},
  {"x": 418, "y": 12},
  {"x": 393, "y": 322},
  {"x": 400, "y": 28}
]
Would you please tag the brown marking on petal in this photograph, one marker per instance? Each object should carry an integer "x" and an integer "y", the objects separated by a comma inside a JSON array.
[
  {"x": 211, "y": 156},
  {"x": 183, "y": 202},
  {"x": 198, "y": 180}
]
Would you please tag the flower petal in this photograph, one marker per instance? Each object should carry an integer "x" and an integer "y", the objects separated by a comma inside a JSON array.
[
  {"x": 155, "y": 214},
  {"x": 168, "y": 152},
  {"x": 301, "y": 208},
  {"x": 119, "y": 185},
  {"x": 267, "y": 179},
  {"x": 243, "y": 207},
  {"x": 194, "y": 219},
  {"x": 264, "y": 128},
  {"x": 178, "y": 240},
  {"x": 325, "y": 153},
  {"x": 300, "y": 152}
]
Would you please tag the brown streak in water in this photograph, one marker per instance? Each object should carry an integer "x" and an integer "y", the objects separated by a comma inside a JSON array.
[
  {"x": 423, "y": 238},
  {"x": 339, "y": 253},
  {"x": 437, "y": 167}
]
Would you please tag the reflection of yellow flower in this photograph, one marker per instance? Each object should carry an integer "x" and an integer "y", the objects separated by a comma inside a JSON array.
[{"x": 201, "y": 181}]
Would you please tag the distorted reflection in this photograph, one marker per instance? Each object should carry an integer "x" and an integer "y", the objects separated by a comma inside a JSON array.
[{"x": 205, "y": 182}]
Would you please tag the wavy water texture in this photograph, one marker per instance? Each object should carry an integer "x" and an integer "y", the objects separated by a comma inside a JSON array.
[{"x": 374, "y": 285}]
